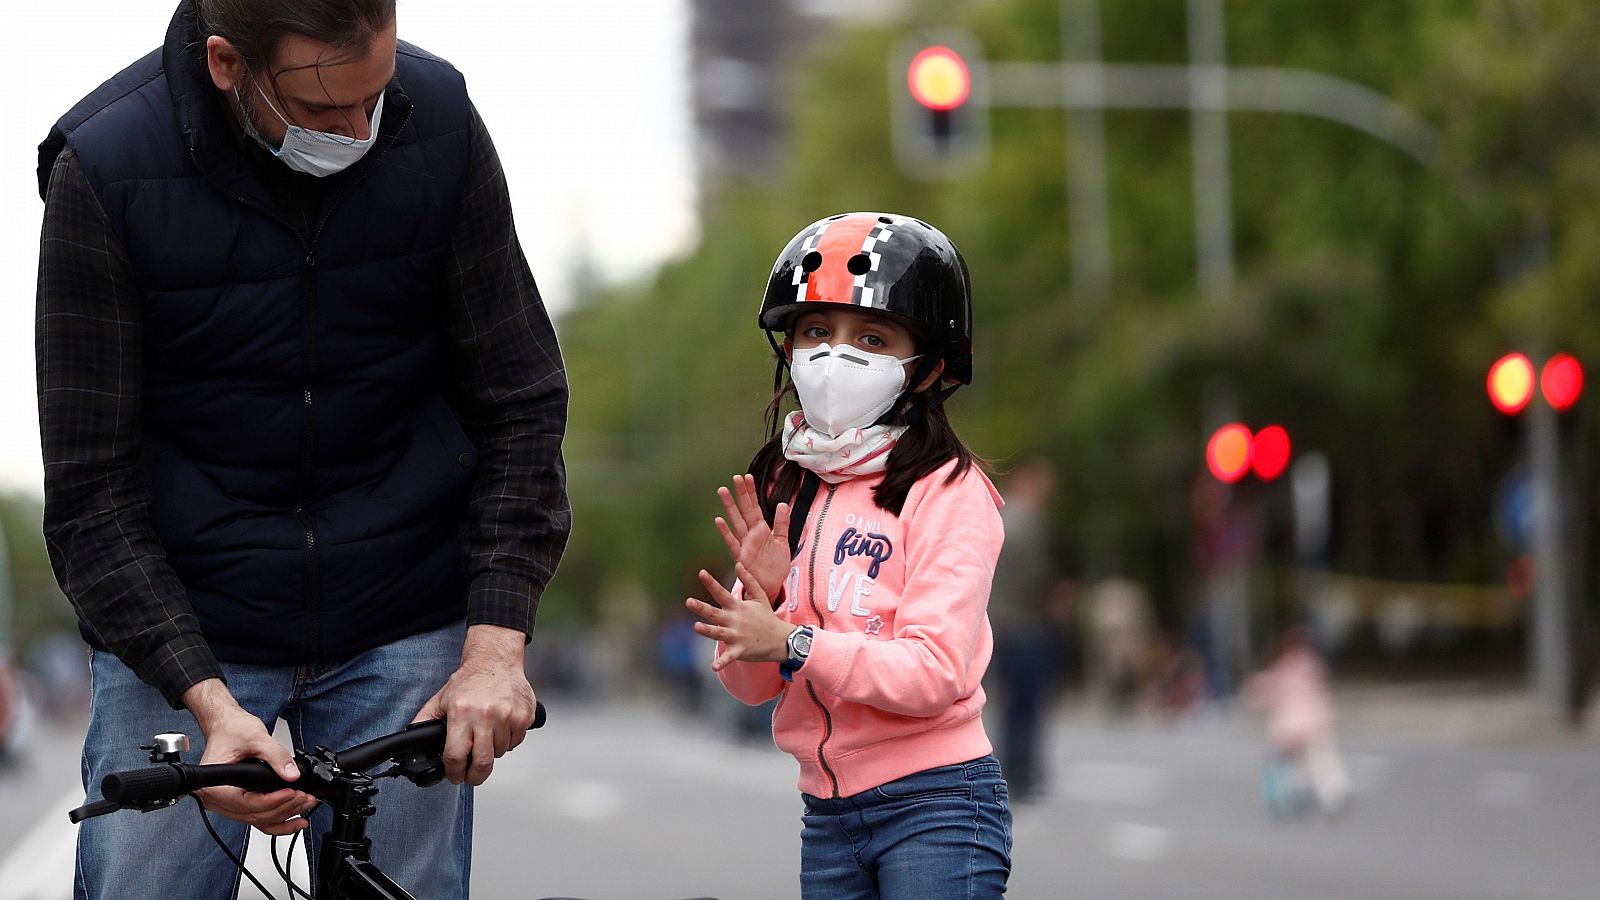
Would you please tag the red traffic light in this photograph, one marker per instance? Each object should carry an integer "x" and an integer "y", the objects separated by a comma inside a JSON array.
[
  {"x": 1234, "y": 452},
  {"x": 939, "y": 78},
  {"x": 1228, "y": 452},
  {"x": 1561, "y": 381},
  {"x": 1511, "y": 383},
  {"x": 1269, "y": 454}
]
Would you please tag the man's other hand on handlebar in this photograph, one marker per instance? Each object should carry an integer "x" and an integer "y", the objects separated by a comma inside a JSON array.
[
  {"x": 234, "y": 735},
  {"x": 487, "y": 703}
]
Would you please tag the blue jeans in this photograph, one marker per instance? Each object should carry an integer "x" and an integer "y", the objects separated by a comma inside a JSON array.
[
  {"x": 936, "y": 834},
  {"x": 422, "y": 837}
]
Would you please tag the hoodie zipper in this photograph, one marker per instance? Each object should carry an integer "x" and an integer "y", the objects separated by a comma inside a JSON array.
[
  {"x": 811, "y": 598},
  {"x": 308, "y": 373}
]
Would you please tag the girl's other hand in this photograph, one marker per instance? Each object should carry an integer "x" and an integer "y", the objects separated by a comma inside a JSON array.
[
  {"x": 747, "y": 627},
  {"x": 762, "y": 548}
]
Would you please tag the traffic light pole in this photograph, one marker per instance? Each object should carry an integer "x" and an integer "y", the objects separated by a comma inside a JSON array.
[
  {"x": 1208, "y": 88},
  {"x": 1548, "y": 635},
  {"x": 1213, "y": 176},
  {"x": 1088, "y": 196}
]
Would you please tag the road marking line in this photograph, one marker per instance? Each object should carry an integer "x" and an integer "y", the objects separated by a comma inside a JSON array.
[
  {"x": 1499, "y": 789},
  {"x": 1138, "y": 843},
  {"x": 1113, "y": 783},
  {"x": 588, "y": 801},
  {"x": 41, "y": 865}
]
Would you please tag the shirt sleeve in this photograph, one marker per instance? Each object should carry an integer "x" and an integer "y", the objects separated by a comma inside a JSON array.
[
  {"x": 511, "y": 395},
  {"x": 102, "y": 544}
]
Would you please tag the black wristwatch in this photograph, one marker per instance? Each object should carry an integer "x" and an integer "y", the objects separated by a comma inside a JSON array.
[{"x": 799, "y": 644}]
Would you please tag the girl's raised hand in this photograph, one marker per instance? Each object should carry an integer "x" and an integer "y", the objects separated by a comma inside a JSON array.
[
  {"x": 747, "y": 627},
  {"x": 762, "y": 548}
]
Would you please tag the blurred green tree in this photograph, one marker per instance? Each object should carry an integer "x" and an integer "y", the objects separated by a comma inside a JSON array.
[{"x": 1372, "y": 291}]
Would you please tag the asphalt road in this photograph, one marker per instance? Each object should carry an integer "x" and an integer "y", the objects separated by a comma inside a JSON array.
[{"x": 627, "y": 800}]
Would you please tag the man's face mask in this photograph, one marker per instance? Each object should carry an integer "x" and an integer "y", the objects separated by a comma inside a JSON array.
[
  {"x": 318, "y": 153},
  {"x": 842, "y": 388}
]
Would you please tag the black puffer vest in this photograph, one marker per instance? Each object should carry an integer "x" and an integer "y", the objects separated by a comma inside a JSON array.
[{"x": 308, "y": 475}]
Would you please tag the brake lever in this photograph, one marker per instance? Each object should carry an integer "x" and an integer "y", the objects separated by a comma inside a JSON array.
[{"x": 90, "y": 810}]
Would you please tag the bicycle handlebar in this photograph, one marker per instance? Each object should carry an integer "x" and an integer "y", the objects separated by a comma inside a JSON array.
[
  {"x": 168, "y": 781},
  {"x": 423, "y": 737}
]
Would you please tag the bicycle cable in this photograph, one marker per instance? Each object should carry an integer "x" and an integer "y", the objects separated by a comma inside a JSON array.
[
  {"x": 238, "y": 864},
  {"x": 283, "y": 867}
]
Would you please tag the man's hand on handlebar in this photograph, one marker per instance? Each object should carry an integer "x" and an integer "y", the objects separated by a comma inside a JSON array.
[
  {"x": 487, "y": 704},
  {"x": 234, "y": 735}
]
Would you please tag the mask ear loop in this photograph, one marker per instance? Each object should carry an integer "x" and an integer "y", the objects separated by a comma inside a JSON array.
[{"x": 914, "y": 413}]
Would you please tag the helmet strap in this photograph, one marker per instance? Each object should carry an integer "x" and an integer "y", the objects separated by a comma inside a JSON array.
[
  {"x": 783, "y": 363},
  {"x": 940, "y": 395}
]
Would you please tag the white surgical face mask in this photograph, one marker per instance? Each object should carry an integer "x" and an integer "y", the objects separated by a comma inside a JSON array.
[
  {"x": 318, "y": 153},
  {"x": 842, "y": 388}
]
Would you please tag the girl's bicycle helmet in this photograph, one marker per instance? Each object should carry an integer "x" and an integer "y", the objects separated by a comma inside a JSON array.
[{"x": 895, "y": 264}]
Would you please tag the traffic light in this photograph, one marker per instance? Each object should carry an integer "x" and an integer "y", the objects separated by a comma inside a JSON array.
[
  {"x": 1228, "y": 453},
  {"x": 1561, "y": 381},
  {"x": 1270, "y": 452},
  {"x": 1233, "y": 452},
  {"x": 1555, "y": 503},
  {"x": 1512, "y": 383},
  {"x": 940, "y": 124}
]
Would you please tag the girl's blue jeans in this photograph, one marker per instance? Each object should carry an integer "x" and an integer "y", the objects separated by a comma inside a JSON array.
[
  {"x": 936, "y": 834},
  {"x": 422, "y": 837}
]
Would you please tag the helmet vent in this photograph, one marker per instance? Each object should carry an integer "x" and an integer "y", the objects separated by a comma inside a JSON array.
[
  {"x": 811, "y": 262},
  {"x": 886, "y": 220},
  {"x": 860, "y": 264}
]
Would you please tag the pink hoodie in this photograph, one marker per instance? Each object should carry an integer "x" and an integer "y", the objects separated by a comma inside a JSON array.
[{"x": 898, "y": 605}]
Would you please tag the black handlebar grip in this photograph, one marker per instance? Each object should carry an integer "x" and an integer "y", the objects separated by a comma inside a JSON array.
[
  {"x": 139, "y": 785},
  {"x": 167, "y": 782},
  {"x": 538, "y": 714}
]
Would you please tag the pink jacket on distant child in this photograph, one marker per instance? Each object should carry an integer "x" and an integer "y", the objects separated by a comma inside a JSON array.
[
  {"x": 1294, "y": 694},
  {"x": 898, "y": 605}
]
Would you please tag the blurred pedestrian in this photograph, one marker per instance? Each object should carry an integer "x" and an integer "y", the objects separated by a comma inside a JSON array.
[
  {"x": 1119, "y": 633},
  {"x": 1175, "y": 680},
  {"x": 10, "y": 704},
  {"x": 1027, "y": 620},
  {"x": 1294, "y": 694},
  {"x": 866, "y": 611},
  {"x": 681, "y": 654},
  {"x": 680, "y": 657}
]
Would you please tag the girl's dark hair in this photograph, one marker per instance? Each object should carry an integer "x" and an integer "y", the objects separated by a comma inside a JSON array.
[
  {"x": 257, "y": 27},
  {"x": 928, "y": 443}
]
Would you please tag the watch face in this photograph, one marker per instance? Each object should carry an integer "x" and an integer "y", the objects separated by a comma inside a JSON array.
[{"x": 800, "y": 644}]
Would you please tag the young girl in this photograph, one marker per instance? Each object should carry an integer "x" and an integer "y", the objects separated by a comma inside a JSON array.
[
  {"x": 1294, "y": 694},
  {"x": 864, "y": 610}
]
